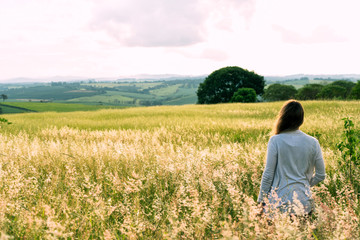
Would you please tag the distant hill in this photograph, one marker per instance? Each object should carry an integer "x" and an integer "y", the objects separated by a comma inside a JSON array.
[
  {"x": 120, "y": 92},
  {"x": 139, "y": 90},
  {"x": 134, "y": 78},
  {"x": 170, "y": 77},
  {"x": 352, "y": 77}
]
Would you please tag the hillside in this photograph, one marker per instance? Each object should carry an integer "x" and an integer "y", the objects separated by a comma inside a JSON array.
[
  {"x": 116, "y": 93},
  {"x": 128, "y": 92}
]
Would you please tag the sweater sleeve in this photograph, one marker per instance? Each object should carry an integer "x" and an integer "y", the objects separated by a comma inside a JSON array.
[
  {"x": 269, "y": 172},
  {"x": 319, "y": 166}
]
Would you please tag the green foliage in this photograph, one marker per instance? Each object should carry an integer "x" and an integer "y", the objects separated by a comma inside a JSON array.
[
  {"x": 332, "y": 91},
  {"x": 277, "y": 92},
  {"x": 340, "y": 89},
  {"x": 346, "y": 84},
  {"x": 5, "y": 121},
  {"x": 220, "y": 85},
  {"x": 349, "y": 165},
  {"x": 309, "y": 92},
  {"x": 355, "y": 92},
  {"x": 244, "y": 95}
]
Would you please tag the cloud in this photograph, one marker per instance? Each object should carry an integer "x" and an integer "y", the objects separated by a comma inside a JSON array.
[
  {"x": 162, "y": 23},
  {"x": 151, "y": 23},
  {"x": 205, "y": 53},
  {"x": 214, "y": 54},
  {"x": 321, "y": 34}
]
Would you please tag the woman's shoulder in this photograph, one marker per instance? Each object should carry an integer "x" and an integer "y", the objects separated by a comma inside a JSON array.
[
  {"x": 311, "y": 138},
  {"x": 291, "y": 135}
]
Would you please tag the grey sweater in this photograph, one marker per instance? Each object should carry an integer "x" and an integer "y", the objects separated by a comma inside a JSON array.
[{"x": 291, "y": 160}]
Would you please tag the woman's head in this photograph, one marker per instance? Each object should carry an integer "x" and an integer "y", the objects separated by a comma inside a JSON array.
[{"x": 290, "y": 117}]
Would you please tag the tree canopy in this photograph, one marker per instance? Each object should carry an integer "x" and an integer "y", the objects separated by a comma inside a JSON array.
[
  {"x": 346, "y": 84},
  {"x": 332, "y": 91},
  {"x": 277, "y": 92},
  {"x": 244, "y": 95},
  {"x": 340, "y": 89},
  {"x": 220, "y": 85},
  {"x": 309, "y": 91},
  {"x": 355, "y": 92}
]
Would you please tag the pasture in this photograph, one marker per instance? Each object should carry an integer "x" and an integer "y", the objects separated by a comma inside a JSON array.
[
  {"x": 21, "y": 107},
  {"x": 115, "y": 93},
  {"x": 165, "y": 172}
]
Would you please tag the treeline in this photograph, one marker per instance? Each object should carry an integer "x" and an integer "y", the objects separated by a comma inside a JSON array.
[{"x": 339, "y": 90}]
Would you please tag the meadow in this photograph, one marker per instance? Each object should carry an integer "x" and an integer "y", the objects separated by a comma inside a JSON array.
[
  {"x": 164, "y": 172},
  {"x": 23, "y": 107},
  {"x": 114, "y": 93}
]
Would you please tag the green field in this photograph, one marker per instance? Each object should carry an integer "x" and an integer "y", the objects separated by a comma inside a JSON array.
[
  {"x": 5, "y": 109},
  {"x": 109, "y": 97},
  {"x": 140, "y": 85},
  {"x": 182, "y": 100},
  {"x": 165, "y": 172},
  {"x": 14, "y": 107},
  {"x": 145, "y": 93}
]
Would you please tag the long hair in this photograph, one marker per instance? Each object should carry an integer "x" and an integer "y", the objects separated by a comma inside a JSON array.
[{"x": 290, "y": 117}]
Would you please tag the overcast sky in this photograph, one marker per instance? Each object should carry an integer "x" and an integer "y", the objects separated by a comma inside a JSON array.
[{"x": 112, "y": 38}]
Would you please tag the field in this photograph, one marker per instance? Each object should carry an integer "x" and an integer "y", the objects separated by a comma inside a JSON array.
[
  {"x": 22, "y": 107},
  {"x": 115, "y": 93},
  {"x": 165, "y": 172}
]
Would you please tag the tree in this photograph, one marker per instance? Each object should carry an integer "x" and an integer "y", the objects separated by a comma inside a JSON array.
[
  {"x": 309, "y": 92},
  {"x": 277, "y": 92},
  {"x": 4, "y": 97},
  {"x": 346, "y": 84},
  {"x": 244, "y": 95},
  {"x": 355, "y": 91},
  {"x": 220, "y": 85},
  {"x": 332, "y": 91}
]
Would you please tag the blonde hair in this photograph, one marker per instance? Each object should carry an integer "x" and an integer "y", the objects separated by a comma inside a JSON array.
[{"x": 290, "y": 117}]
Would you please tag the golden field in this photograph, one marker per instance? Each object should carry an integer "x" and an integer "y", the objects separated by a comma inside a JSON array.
[{"x": 168, "y": 172}]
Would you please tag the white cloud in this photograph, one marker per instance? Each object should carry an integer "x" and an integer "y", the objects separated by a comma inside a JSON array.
[
  {"x": 321, "y": 34},
  {"x": 151, "y": 23},
  {"x": 162, "y": 22},
  {"x": 116, "y": 37}
]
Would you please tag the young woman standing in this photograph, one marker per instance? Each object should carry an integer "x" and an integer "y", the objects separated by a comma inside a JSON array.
[{"x": 292, "y": 157}]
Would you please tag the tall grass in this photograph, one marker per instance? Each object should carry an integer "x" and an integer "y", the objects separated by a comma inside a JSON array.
[{"x": 189, "y": 172}]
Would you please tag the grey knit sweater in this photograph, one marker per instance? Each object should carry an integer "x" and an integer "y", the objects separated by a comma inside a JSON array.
[{"x": 291, "y": 160}]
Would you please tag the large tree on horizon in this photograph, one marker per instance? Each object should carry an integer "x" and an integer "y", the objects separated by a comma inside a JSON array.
[{"x": 220, "y": 85}]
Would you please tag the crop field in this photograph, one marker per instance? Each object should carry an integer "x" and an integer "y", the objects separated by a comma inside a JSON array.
[
  {"x": 21, "y": 107},
  {"x": 115, "y": 93},
  {"x": 108, "y": 97},
  {"x": 165, "y": 172}
]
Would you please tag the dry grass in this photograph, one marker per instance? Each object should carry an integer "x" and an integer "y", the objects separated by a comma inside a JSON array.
[{"x": 190, "y": 172}]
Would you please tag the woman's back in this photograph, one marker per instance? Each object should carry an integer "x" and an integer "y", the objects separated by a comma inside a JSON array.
[
  {"x": 292, "y": 157},
  {"x": 295, "y": 155}
]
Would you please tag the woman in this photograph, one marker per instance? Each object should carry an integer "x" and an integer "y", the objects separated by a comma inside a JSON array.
[{"x": 292, "y": 157}]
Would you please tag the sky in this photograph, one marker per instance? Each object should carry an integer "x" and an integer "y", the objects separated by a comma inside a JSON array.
[{"x": 116, "y": 38}]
